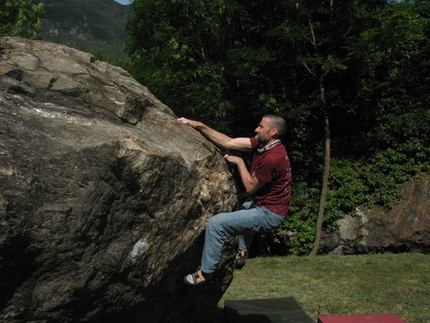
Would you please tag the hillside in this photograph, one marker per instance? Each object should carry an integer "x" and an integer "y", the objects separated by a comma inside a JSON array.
[{"x": 87, "y": 25}]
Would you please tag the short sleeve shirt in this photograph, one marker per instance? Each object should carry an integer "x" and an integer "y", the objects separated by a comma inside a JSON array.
[{"x": 273, "y": 167}]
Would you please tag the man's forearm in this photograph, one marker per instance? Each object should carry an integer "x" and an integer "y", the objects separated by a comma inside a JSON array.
[
  {"x": 218, "y": 138},
  {"x": 251, "y": 183}
]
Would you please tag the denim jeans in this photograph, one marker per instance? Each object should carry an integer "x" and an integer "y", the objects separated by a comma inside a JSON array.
[{"x": 243, "y": 223}]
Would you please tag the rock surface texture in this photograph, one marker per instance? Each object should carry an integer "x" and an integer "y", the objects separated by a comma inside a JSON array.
[
  {"x": 104, "y": 195},
  {"x": 406, "y": 227}
]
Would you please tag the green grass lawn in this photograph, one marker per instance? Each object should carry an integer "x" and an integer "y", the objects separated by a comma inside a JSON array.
[{"x": 398, "y": 284}]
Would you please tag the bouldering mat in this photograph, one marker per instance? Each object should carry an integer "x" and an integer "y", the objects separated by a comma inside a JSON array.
[{"x": 274, "y": 310}]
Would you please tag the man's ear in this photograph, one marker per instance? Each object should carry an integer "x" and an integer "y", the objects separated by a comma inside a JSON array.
[{"x": 274, "y": 132}]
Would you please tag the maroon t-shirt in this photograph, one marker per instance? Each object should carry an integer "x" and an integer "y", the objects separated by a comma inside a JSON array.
[{"x": 273, "y": 167}]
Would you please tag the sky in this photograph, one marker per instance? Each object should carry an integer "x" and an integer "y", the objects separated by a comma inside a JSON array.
[{"x": 123, "y": 1}]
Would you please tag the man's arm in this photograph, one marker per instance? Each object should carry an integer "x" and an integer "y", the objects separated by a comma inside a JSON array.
[
  {"x": 218, "y": 138},
  {"x": 251, "y": 183}
]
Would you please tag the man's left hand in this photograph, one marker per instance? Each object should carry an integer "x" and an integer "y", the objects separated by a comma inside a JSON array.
[{"x": 232, "y": 159}]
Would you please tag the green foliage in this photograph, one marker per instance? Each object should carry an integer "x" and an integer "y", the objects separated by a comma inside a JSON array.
[
  {"x": 301, "y": 219},
  {"x": 395, "y": 78},
  {"x": 20, "y": 18}
]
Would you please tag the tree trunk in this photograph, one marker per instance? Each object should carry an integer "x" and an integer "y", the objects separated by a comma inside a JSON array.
[{"x": 324, "y": 188}]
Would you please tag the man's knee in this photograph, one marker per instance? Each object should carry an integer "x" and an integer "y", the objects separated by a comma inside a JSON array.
[
  {"x": 216, "y": 222},
  {"x": 210, "y": 223},
  {"x": 213, "y": 223}
]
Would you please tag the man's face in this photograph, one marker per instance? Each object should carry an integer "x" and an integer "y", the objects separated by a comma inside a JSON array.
[{"x": 263, "y": 132}]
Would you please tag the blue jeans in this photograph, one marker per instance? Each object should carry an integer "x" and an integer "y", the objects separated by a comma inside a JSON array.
[{"x": 243, "y": 223}]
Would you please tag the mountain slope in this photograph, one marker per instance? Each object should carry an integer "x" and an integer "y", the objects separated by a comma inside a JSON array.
[{"x": 87, "y": 25}]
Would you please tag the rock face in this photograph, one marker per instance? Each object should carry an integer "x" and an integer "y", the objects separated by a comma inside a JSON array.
[
  {"x": 104, "y": 195},
  {"x": 406, "y": 227}
]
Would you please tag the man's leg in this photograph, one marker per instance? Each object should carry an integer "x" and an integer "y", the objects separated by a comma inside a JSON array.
[
  {"x": 245, "y": 241},
  {"x": 245, "y": 222}
]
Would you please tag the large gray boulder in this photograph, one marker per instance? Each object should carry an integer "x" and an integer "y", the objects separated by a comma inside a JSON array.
[{"x": 104, "y": 195}]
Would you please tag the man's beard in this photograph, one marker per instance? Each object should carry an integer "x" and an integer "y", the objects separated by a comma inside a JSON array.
[{"x": 262, "y": 141}]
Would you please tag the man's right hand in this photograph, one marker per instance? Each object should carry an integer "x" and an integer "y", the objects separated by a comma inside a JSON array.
[
  {"x": 183, "y": 120},
  {"x": 189, "y": 122}
]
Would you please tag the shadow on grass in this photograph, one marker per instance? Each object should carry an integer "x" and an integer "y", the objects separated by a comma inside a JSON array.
[{"x": 272, "y": 310}]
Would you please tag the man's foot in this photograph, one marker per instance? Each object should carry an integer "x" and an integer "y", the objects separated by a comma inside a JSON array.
[
  {"x": 239, "y": 260},
  {"x": 198, "y": 278}
]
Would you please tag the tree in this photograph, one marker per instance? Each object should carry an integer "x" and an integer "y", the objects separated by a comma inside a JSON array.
[
  {"x": 319, "y": 35},
  {"x": 326, "y": 123},
  {"x": 20, "y": 18}
]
